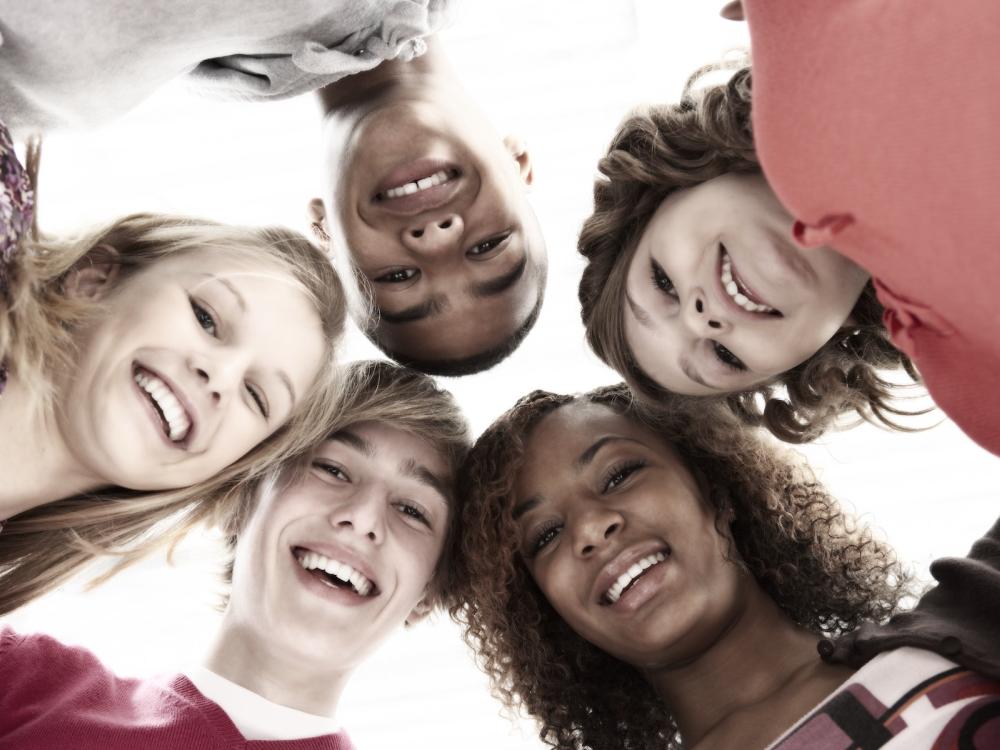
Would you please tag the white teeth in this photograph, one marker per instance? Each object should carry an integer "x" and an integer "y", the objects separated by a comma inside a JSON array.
[
  {"x": 414, "y": 187},
  {"x": 315, "y": 561},
  {"x": 178, "y": 422},
  {"x": 733, "y": 289},
  {"x": 614, "y": 593}
]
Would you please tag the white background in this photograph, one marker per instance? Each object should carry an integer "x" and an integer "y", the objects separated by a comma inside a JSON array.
[{"x": 562, "y": 73}]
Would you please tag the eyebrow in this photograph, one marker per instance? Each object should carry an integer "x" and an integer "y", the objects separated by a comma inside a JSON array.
[
  {"x": 410, "y": 468},
  {"x": 232, "y": 288},
  {"x": 500, "y": 284},
  {"x": 353, "y": 440},
  {"x": 433, "y": 305}
]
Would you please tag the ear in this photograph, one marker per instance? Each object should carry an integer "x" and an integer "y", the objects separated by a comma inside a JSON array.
[
  {"x": 94, "y": 275},
  {"x": 317, "y": 220},
  {"x": 519, "y": 150},
  {"x": 733, "y": 11},
  {"x": 423, "y": 608}
]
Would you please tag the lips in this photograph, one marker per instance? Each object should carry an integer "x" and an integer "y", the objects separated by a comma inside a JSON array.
[
  {"x": 627, "y": 569},
  {"x": 422, "y": 185},
  {"x": 173, "y": 413},
  {"x": 737, "y": 292}
]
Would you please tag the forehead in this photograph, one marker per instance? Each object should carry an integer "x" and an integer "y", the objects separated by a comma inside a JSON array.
[{"x": 388, "y": 445}]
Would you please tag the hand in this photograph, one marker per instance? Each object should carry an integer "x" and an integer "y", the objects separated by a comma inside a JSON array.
[{"x": 733, "y": 11}]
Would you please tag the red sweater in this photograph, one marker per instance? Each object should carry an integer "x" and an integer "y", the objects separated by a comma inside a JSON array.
[
  {"x": 55, "y": 697},
  {"x": 878, "y": 125}
]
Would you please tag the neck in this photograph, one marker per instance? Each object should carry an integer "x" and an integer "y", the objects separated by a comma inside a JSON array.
[
  {"x": 738, "y": 677},
  {"x": 268, "y": 669},
  {"x": 36, "y": 463}
]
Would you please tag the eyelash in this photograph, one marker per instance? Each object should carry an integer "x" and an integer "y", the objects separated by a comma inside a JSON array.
[
  {"x": 620, "y": 472},
  {"x": 487, "y": 245},
  {"x": 207, "y": 322},
  {"x": 540, "y": 539},
  {"x": 660, "y": 279},
  {"x": 397, "y": 276},
  {"x": 727, "y": 358},
  {"x": 406, "y": 508}
]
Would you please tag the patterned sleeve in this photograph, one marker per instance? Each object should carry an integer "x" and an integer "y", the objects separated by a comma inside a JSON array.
[{"x": 17, "y": 204}]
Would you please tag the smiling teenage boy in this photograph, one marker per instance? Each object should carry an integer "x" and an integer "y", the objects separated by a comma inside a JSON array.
[
  {"x": 331, "y": 554},
  {"x": 430, "y": 203}
]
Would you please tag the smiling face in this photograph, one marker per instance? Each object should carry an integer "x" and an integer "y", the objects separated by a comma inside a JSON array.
[
  {"x": 433, "y": 210},
  {"x": 193, "y": 362},
  {"x": 329, "y": 566},
  {"x": 718, "y": 297},
  {"x": 614, "y": 531}
]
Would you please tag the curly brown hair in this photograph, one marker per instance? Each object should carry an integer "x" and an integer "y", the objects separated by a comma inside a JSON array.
[
  {"x": 663, "y": 148},
  {"x": 826, "y": 572}
]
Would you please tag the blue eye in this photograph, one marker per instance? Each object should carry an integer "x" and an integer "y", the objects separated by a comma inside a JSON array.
[{"x": 204, "y": 318}]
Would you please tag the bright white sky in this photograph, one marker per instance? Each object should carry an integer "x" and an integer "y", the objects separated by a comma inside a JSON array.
[{"x": 561, "y": 73}]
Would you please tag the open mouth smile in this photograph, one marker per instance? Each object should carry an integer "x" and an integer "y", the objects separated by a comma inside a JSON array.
[
  {"x": 633, "y": 574},
  {"x": 176, "y": 421},
  {"x": 440, "y": 177},
  {"x": 335, "y": 574},
  {"x": 738, "y": 291}
]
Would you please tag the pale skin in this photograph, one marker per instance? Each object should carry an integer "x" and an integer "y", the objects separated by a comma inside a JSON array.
[
  {"x": 458, "y": 268},
  {"x": 733, "y": 669},
  {"x": 374, "y": 493},
  {"x": 238, "y": 342}
]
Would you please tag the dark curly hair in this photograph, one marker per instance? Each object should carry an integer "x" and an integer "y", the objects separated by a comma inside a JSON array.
[
  {"x": 826, "y": 572},
  {"x": 663, "y": 148}
]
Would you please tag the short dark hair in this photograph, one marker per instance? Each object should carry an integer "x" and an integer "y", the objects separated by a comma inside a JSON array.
[{"x": 474, "y": 363}]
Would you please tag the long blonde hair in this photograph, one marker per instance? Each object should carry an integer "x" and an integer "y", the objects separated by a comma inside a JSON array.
[{"x": 45, "y": 545}]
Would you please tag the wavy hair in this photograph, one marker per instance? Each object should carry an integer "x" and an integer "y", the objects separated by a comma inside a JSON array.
[
  {"x": 45, "y": 545},
  {"x": 825, "y": 571},
  {"x": 385, "y": 393},
  {"x": 663, "y": 148}
]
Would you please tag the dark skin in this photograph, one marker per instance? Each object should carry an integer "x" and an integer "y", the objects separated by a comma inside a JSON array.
[
  {"x": 734, "y": 670},
  {"x": 456, "y": 267}
]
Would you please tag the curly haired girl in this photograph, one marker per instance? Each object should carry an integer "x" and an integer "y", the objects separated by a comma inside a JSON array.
[
  {"x": 694, "y": 284},
  {"x": 644, "y": 585}
]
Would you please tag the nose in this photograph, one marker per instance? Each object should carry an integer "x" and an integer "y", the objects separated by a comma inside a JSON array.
[
  {"x": 593, "y": 527},
  {"x": 701, "y": 319},
  {"x": 363, "y": 513},
  {"x": 434, "y": 237},
  {"x": 219, "y": 372}
]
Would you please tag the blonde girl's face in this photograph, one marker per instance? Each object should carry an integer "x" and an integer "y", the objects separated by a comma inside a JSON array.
[
  {"x": 719, "y": 298},
  {"x": 193, "y": 362}
]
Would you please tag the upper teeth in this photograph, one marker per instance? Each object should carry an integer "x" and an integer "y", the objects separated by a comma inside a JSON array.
[
  {"x": 315, "y": 561},
  {"x": 614, "y": 593},
  {"x": 413, "y": 187},
  {"x": 733, "y": 289},
  {"x": 178, "y": 422}
]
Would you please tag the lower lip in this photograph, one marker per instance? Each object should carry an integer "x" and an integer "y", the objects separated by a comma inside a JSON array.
[
  {"x": 343, "y": 596},
  {"x": 640, "y": 592},
  {"x": 154, "y": 416}
]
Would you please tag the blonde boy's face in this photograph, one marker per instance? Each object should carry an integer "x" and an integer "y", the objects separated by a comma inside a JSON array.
[{"x": 329, "y": 566}]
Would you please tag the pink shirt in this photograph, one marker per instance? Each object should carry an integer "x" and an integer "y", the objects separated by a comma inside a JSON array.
[
  {"x": 56, "y": 696},
  {"x": 877, "y": 124}
]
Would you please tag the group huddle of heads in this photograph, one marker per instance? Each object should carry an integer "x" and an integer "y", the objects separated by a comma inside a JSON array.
[{"x": 711, "y": 335}]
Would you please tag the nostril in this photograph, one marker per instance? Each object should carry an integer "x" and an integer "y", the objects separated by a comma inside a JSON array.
[
  {"x": 202, "y": 374},
  {"x": 714, "y": 324},
  {"x": 417, "y": 233},
  {"x": 445, "y": 224},
  {"x": 610, "y": 530},
  {"x": 699, "y": 306}
]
